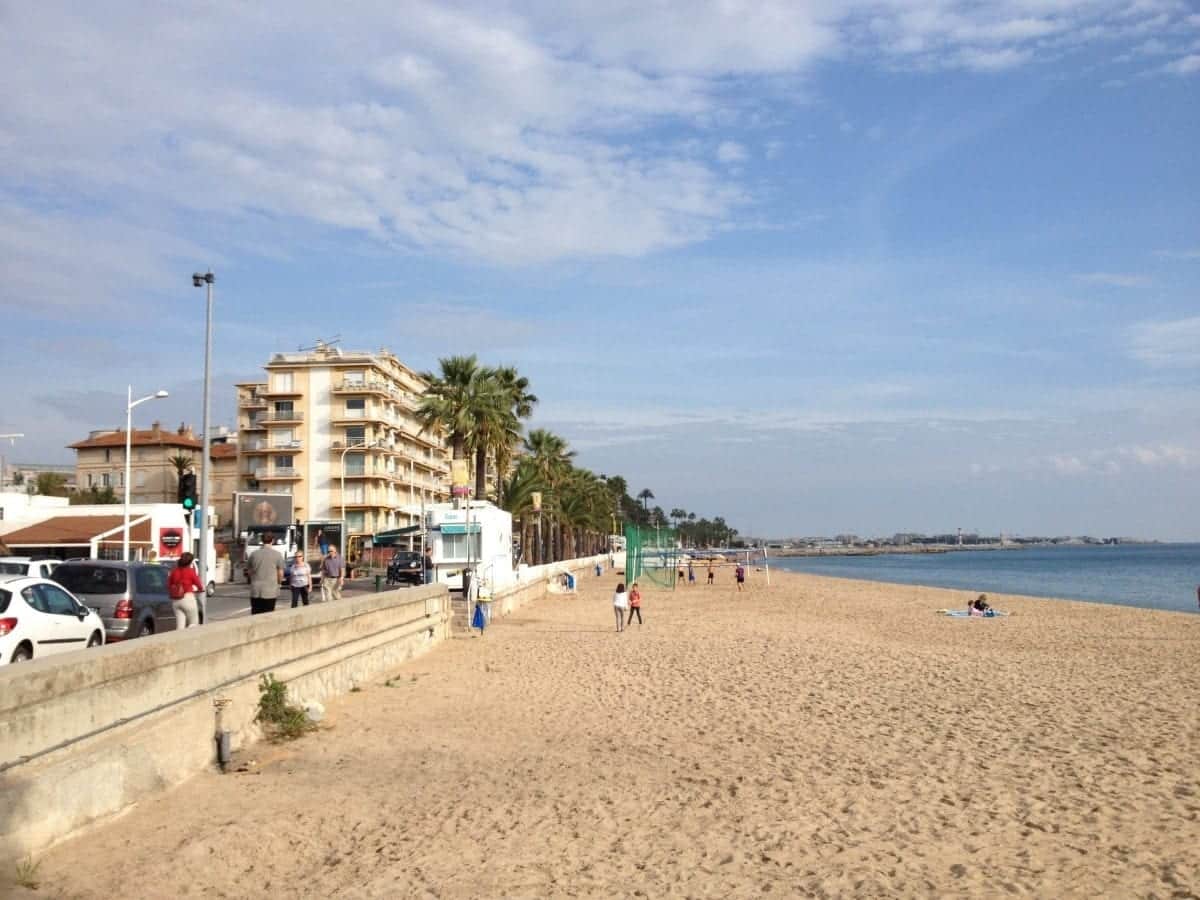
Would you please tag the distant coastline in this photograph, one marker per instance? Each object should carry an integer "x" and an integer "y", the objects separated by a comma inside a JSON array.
[{"x": 913, "y": 549}]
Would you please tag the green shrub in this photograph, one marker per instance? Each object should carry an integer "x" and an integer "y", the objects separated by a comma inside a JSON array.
[{"x": 282, "y": 720}]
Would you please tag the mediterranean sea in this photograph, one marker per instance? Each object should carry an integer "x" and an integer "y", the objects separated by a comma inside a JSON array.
[{"x": 1157, "y": 576}]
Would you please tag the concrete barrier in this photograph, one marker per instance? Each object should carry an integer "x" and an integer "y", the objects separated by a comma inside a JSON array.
[
  {"x": 86, "y": 734},
  {"x": 532, "y": 584}
]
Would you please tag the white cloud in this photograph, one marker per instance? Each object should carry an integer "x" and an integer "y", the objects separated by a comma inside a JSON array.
[
  {"x": 1186, "y": 65},
  {"x": 1114, "y": 279},
  {"x": 1167, "y": 345},
  {"x": 1178, "y": 254},
  {"x": 732, "y": 152}
]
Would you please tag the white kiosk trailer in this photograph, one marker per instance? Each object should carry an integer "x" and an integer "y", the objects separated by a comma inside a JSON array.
[{"x": 471, "y": 536}]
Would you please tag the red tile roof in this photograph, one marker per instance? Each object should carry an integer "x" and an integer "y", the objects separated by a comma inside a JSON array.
[
  {"x": 74, "y": 531},
  {"x": 222, "y": 451},
  {"x": 147, "y": 438}
]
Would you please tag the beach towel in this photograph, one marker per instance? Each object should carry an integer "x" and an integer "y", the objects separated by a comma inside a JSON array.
[{"x": 963, "y": 614}]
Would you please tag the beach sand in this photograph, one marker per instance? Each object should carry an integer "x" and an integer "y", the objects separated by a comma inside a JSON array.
[{"x": 817, "y": 737}]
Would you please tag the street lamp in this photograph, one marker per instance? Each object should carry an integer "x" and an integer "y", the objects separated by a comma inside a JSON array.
[
  {"x": 206, "y": 280},
  {"x": 157, "y": 395}
]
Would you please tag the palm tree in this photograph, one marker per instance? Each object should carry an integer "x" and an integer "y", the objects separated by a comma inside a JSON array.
[
  {"x": 451, "y": 401},
  {"x": 504, "y": 439},
  {"x": 646, "y": 495},
  {"x": 551, "y": 462}
]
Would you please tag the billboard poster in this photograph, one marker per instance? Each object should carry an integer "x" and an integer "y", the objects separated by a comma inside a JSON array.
[
  {"x": 320, "y": 536},
  {"x": 170, "y": 543},
  {"x": 259, "y": 511}
]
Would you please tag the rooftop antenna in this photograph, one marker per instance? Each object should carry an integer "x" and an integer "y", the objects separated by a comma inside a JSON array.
[{"x": 322, "y": 344}]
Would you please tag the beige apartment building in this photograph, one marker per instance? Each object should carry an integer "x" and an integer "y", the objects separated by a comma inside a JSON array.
[
  {"x": 100, "y": 463},
  {"x": 337, "y": 430}
]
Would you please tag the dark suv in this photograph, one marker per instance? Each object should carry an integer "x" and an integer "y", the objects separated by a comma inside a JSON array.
[
  {"x": 131, "y": 598},
  {"x": 406, "y": 567}
]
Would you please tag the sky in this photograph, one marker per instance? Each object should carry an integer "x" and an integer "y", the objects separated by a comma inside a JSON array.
[{"x": 859, "y": 266}]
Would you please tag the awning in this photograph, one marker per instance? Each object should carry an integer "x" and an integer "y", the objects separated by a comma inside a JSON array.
[
  {"x": 79, "y": 531},
  {"x": 386, "y": 538},
  {"x": 473, "y": 528}
]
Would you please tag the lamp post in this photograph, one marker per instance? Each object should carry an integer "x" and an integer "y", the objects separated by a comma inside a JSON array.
[
  {"x": 205, "y": 280},
  {"x": 12, "y": 439},
  {"x": 129, "y": 405}
]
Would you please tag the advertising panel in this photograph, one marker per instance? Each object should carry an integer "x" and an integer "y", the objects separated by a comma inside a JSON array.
[
  {"x": 258, "y": 511},
  {"x": 170, "y": 543}
]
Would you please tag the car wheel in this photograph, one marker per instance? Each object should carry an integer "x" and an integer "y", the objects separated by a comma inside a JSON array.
[
  {"x": 212, "y": 588},
  {"x": 22, "y": 654},
  {"x": 147, "y": 628},
  {"x": 95, "y": 640}
]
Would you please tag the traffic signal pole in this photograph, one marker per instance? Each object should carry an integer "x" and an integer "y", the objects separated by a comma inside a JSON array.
[{"x": 207, "y": 280}]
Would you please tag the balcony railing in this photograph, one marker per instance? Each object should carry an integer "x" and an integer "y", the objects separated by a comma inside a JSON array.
[
  {"x": 254, "y": 402},
  {"x": 277, "y": 415}
]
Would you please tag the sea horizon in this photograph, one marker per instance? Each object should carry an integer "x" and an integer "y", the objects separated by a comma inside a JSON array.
[{"x": 1155, "y": 575}]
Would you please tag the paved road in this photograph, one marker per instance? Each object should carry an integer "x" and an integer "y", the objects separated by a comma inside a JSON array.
[{"x": 233, "y": 600}]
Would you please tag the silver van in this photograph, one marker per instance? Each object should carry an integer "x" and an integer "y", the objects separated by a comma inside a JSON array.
[{"x": 131, "y": 597}]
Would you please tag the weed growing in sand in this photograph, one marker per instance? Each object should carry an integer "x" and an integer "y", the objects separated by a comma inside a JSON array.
[
  {"x": 283, "y": 721},
  {"x": 27, "y": 873}
]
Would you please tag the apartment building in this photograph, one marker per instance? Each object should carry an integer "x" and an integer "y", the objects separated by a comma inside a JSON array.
[
  {"x": 100, "y": 463},
  {"x": 337, "y": 430}
]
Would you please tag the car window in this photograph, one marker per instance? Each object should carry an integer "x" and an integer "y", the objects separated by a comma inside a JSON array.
[
  {"x": 12, "y": 568},
  {"x": 45, "y": 570},
  {"x": 84, "y": 579},
  {"x": 5, "y": 596},
  {"x": 58, "y": 602},
  {"x": 34, "y": 598},
  {"x": 151, "y": 580}
]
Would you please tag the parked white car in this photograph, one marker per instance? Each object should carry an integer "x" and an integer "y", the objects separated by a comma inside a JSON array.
[
  {"x": 26, "y": 565},
  {"x": 39, "y": 618}
]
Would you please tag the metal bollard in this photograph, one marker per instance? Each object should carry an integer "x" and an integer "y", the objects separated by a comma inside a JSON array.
[{"x": 378, "y": 583}]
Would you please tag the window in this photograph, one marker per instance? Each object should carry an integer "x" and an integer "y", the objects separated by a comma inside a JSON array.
[
  {"x": 354, "y": 493},
  {"x": 57, "y": 601},
  {"x": 35, "y": 598},
  {"x": 356, "y": 434},
  {"x": 84, "y": 579},
  {"x": 284, "y": 409},
  {"x": 283, "y": 465},
  {"x": 356, "y": 407},
  {"x": 90, "y": 484},
  {"x": 353, "y": 378},
  {"x": 355, "y": 464},
  {"x": 107, "y": 455},
  {"x": 454, "y": 546},
  {"x": 104, "y": 480},
  {"x": 281, "y": 382},
  {"x": 151, "y": 580}
]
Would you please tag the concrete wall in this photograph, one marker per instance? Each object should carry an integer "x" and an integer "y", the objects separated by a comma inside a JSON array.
[
  {"x": 532, "y": 584},
  {"x": 86, "y": 734}
]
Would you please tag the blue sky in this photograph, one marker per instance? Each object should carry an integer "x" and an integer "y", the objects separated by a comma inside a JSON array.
[{"x": 827, "y": 267}]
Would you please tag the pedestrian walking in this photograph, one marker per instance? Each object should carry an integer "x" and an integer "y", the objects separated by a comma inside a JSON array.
[
  {"x": 333, "y": 572},
  {"x": 427, "y": 565},
  {"x": 635, "y": 604},
  {"x": 265, "y": 570},
  {"x": 620, "y": 604},
  {"x": 183, "y": 584},
  {"x": 299, "y": 580}
]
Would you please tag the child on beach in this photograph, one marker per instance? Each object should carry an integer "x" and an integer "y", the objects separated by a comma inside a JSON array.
[
  {"x": 710, "y": 572},
  {"x": 740, "y": 574},
  {"x": 691, "y": 574},
  {"x": 635, "y": 604},
  {"x": 980, "y": 606},
  {"x": 620, "y": 602}
]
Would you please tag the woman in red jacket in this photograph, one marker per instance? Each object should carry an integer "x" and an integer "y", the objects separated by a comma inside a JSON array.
[{"x": 182, "y": 586}]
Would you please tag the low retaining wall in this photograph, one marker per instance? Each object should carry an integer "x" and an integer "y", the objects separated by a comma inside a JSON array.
[{"x": 85, "y": 735}]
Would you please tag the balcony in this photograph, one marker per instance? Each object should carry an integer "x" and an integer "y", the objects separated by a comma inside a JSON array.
[
  {"x": 278, "y": 473},
  {"x": 252, "y": 402},
  {"x": 355, "y": 416},
  {"x": 277, "y": 416},
  {"x": 286, "y": 446},
  {"x": 255, "y": 424},
  {"x": 276, "y": 390},
  {"x": 379, "y": 388},
  {"x": 369, "y": 472}
]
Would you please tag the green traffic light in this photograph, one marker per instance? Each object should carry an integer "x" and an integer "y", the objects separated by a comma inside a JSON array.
[{"x": 189, "y": 503}]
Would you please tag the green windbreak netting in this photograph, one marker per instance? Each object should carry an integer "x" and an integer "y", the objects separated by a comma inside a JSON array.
[{"x": 651, "y": 555}]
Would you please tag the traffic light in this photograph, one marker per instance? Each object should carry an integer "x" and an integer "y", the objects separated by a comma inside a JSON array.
[{"x": 187, "y": 491}]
